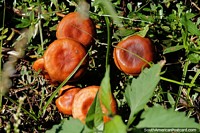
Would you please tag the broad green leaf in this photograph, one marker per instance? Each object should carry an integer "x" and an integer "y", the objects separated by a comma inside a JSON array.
[
  {"x": 141, "y": 89},
  {"x": 116, "y": 125},
  {"x": 105, "y": 90},
  {"x": 159, "y": 117},
  {"x": 173, "y": 49},
  {"x": 67, "y": 126},
  {"x": 94, "y": 117}
]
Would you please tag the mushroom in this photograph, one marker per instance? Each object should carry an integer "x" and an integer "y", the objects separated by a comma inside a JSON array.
[
  {"x": 129, "y": 63},
  {"x": 62, "y": 57},
  {"x": 76, "y": 26},
  {"x": 66, "y": 98},
  {"x": 83, "y": 100},
  {"x": 38, "y": 66}
]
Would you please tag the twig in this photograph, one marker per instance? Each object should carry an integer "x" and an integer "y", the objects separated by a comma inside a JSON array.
[{"x": 194, "y": 4}]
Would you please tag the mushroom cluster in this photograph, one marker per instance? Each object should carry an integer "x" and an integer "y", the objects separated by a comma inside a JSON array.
[
  {"x": 132, "y": 54},
  {"x": 74, "y": 33},
  {"x": 76, "y": 102}
]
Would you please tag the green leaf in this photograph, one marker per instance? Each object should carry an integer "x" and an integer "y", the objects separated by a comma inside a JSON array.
[
  {"x": 94, "y": 117},
  {"x": 116, "y": 125},
  {"x": 170, "y": 99},
  {"x": 108, "y": 8},
  {"x": 197, "y": 90},
  {"x": 144, "y": 31},
  {"x": 190, "y": 15},
  {"x": 141, "y": 89},
  {"x": 190, "y": 26},
  {"x": 2, "y": 37},
  {"x": 4, "y": 31},
  {"x": 105, "y": 90},
  {"x": 161, "y": 118},
  {"x": 24, "y": 23},
  {"x": 194, "y": 58},
  {"x": 129, "y": 6},
  {"x": 146, "y": 9},
  {"x": 173, "y": 49},
  {"x": 67, "y": 126},
  {"x": 122, "y": 32},
  {"x": 166, "y": 28}
]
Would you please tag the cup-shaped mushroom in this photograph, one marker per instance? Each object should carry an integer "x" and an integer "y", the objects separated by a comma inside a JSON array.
[
  {"x": 83, "y": 100},
  {"x": 133, "y": 54},
  {"x": 77, "y": 27},
  {"x": 62, "y": 57},
  {"x": 66, "y": 98},
  {"x": 38, "y": 65}
]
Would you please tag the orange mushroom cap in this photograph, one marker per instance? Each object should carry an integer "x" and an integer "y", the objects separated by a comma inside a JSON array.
[
  {"x": 39, "y": 65},
  {"x": 83, "y": 100},
  {"x": 129, "y": 63},
  {"x": 62, "y": 57},
  {"x": 77, "y": 27},
  {"x": 66, "y": 98}
]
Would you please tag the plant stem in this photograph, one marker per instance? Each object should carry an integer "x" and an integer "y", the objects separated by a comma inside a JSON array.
[
  {"x": 177, "y": 82},
  {"x": 130, "y": 120},
  {"x": 193, "y": 80},
  {"x": 42, "y": 100},
  {"x": 40, "y": 26},
  {"x": 1, "y": 45},
  {"x": 185, "y": 69},
  {"x": 108, "y": 40},
  {"x": 189, "y": 89}
]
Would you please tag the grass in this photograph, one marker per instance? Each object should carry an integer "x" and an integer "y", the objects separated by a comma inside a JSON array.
[{"x": 172, "y": 26}]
